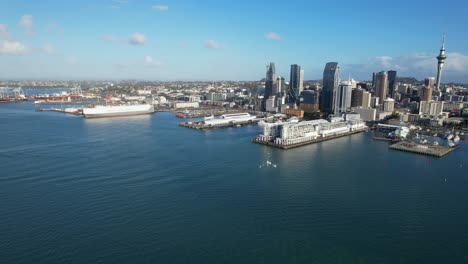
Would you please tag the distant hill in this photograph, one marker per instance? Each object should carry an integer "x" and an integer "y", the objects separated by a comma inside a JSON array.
[{"x": 410, "y": 80}]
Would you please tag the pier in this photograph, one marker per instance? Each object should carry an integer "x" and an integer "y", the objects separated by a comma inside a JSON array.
[
  {"x": 201, "y": 125},
  {"x": 429, "y": 150},
  {"x": 72, "y": 111},
  {"x": 308, "y": 142}
]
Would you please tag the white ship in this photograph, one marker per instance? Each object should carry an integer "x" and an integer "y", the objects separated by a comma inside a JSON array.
[
  {"x": 117, "y": 110},
  {"x": 229, "y": 118}
]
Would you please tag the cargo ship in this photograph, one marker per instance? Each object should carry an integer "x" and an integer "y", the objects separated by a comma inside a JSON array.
[{"x": 117, "y": 110}]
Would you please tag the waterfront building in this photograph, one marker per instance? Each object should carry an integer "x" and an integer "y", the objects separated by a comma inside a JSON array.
[
  {"x": 216, "y": 97},
  {"x": 271, "y": 104},
  {"x": 392, "y": 75},
  {"x": 343, "y": 98},
  {"x": 440, "y": 65},
  {"x": 296, "y": 83},
  {"x": 381, "y": 85},
  {"x": 293, "y": 132},
  {"x": 294, "y": 112},
  {"x": 331, "y": 80},
  {"x": 357, "y": 97},
  {"x": 269, "y": 83}
]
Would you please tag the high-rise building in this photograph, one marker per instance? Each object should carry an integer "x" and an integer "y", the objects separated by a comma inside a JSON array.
[
  {"x": 301, "y": 81},
  {"x": 392, "y": 75},
  {"x": 373, "y": 80},
  {"x": 295, "y": 83},
  {"x": 381, "y": 85},
  {"x": 309, "y": 101},
  {"x": 331, "y": 80},
  {"x": 269, "y": 83},
  {"x": 343, "y": 98},
  {"x": 356, "y": 97},
  {"x": 431, "y": 108},
  {"x": 366, "y": 99},
  {"x": 425, "y": 92},
  {"x": 440, "y": 64},
  {"x": 280, "y": 85},
  {"x": 389, "y": 105}
]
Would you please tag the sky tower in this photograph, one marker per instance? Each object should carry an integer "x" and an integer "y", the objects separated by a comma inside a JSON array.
[{"x": 441, "y": 60}]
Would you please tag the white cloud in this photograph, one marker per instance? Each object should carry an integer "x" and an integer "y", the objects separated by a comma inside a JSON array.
[
  {"x": 13, "y": 48},
  {"x": 273, "y": 36},
  {"x": 150, "y": 62},
  {"x": 160, "y": 7},
  {"x": 211, "y": 44},
  {"x": 137, "y": 39},
  {"x": 4, "y": 33},
  {"x": 26, "y": 22}
]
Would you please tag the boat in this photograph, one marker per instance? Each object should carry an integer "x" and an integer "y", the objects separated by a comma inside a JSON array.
[
  {"x": 230, "y": 118},
  {"x": 117, "y": 110},
  {"x": 456, "y": 139},
  {"x": 451, "y": 144},
  {"x": 450, "y": 136},
  {"x": 436, "y": 143}
]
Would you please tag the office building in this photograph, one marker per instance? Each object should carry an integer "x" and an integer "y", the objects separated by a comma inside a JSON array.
[
  {"x": 269, "y": 83},
  {"x": 331, "y": 80},
  {"x": 357, "y": 97},
  {"x": 296, "y": 83},
  {"x": 381, "y": 85},
  {"x": 366, "y": 99},
  {"x": 392, "y": 75},
  {"x": 343, "y": 98},
  {"x": 389, "y": 105}
]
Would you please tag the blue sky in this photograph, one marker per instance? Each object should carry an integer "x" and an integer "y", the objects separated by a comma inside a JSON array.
[{"x": 228, "y": 40}]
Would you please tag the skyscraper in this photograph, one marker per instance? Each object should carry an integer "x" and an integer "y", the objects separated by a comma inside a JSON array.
[
  {"x": 331, "y": 80},
  {"x": 440, "y": 64},
  {"x": 269, "y": 83},
  {"x": 343, "y": 98},
  {"x": 381, "y": 85},
  {"x": 295, "y": 83},
  {"x": 425, "y": 92},
  {"x": 356, "y": 97},
  {"x": 279, "y": 87},
  {"x": 392, "y": 83}
]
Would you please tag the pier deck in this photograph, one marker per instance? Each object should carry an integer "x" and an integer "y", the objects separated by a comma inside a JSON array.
[
  {"x": 201, "y": 125},
  {"x": 281, "y": 146},
  {"x": 435, "y": 151}
]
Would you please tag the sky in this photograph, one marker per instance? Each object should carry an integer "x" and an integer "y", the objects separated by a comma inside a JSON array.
[{"x": 228, "y": 39}]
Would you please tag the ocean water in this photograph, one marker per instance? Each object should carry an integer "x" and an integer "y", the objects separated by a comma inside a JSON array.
[{"x": 143, "y": 190}]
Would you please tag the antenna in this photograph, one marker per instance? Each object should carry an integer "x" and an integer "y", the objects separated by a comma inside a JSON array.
[{"x": 443, "y": 42}]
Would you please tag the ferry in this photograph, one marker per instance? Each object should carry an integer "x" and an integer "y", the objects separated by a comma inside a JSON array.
[
  {"x": 117, "y": 110},
  {"x": 229, "y": 118}
]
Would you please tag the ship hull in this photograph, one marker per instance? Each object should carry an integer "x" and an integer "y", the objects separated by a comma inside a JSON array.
[{"x": 118, "y": 114}]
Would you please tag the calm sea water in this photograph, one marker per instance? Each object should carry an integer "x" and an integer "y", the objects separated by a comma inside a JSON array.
[{"x": 143, "y": 190}]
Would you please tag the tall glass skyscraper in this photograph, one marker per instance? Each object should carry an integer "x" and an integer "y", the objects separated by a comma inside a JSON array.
[
  {"x": 331, "y": 80},
  {"x": 269, "y": 83},
  {"x": 381, "y": 85},
  {"x": 392, "y": 83},
  {"x": 295, "y": 83}
]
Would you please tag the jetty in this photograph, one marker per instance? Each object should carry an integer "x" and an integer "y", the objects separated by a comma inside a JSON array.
[
  {"x": 429, "y": 150},
  {"x": 203, "y": 126}
]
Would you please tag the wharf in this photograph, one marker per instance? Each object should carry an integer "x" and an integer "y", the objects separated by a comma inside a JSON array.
[
  {"x": 429, "y": 150},
  {"x": 318, "y": 140},
  {"x": 382, "y": 138},
  {"x": 201, "y": 125},
  {"x": 59, "y": 110}
]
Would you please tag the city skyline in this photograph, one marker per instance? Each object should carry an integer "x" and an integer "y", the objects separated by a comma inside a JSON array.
[{"x": 208, "y": 40}]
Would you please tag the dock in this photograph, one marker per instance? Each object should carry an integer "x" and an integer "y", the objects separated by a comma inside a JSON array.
[
  {"x": 203, "y": 126},
  {"x": 428, "y": 150},
  {"x": 308, "y": 142},
  {"x": 60, "y": 110}
]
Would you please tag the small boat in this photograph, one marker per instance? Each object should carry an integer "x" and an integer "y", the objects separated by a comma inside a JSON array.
[
  {"x": 435, "y": 135},
  {"x": 451, "y": 144},
  {"x": 450, "y": 136},
  {"x": 436, "y": 143},
  {"x": 456, "y": 139}
]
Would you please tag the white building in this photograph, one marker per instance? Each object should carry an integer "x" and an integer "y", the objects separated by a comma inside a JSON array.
[
  {"x": 366, "y": 100},
  {"x": 343, "y": 98},
  {"x": 270, "y": 104},
  {"x": 431, "y": 108},
  {"x": 293, "y": 132},
  {"x": 178, "y": 105},
  {"x": 366, "y": 113},
  {"x": 389, "y": 105}
]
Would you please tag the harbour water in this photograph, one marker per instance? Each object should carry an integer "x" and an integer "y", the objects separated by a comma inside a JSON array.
[{"x": 141, "y": 189}]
